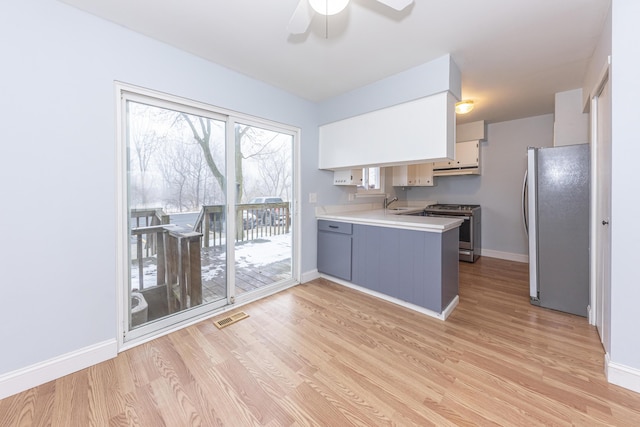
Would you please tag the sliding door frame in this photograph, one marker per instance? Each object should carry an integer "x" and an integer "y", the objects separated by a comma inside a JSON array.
[{"x": 144, "y": 333}]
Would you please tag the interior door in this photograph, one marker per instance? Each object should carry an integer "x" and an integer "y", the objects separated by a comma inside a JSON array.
[{"x": 602, "y": 148}]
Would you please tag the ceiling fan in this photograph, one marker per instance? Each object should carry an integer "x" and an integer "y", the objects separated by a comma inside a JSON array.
[{"x": 306, "y": 9}]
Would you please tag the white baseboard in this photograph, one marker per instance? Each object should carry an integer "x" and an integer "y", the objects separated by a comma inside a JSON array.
[
  {"x": 442, "y": 316},
  {"x": 23, "y": 379},
  {"x": 504, "y": 255},
  {"x": 622, "y": 375},
  {"x": 309, "y": 276}
]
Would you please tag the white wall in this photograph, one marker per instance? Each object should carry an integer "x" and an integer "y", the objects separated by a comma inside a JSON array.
[
  {"x": 571, "y": 125},
  {"x": 625, "y": 233},
  {"x": 436, "y": 76},
  {"x": 498, "y": 190},
  {"x": 597, "y": 63},
  {"x": 57, "y": 165}
]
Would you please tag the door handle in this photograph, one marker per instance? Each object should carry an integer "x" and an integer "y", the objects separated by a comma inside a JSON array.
[
  {"x": 525, "y": 220},
  {"x": 604, "y": 222}
]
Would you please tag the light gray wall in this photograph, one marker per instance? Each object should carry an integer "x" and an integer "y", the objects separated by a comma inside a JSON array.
[
  {"x": 436, "y": 76},
  {"x": 58, "y": 166},
  {"x": 598, "y": 63},
  {"x": 625, "y": 233},
  {"x": 498, "y": 189}
]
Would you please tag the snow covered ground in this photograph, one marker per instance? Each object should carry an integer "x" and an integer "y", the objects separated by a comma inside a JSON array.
[{"x": 249, "y": 255}]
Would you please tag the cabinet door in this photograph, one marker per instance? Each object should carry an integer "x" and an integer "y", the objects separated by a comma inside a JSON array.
[
  {"x": 400, "y": 176},
  {"x": 443, "y": 165},
  {"x": 420, "y": 174},
  {"x": 467, "y": 153},
  {"x": 467, "y": 160},
  {"x": 412, "y": 175},
  {"x": 347, "y": 177},
  {"x": 334, "y": 249},
  {"x": 424, "y": 174}
]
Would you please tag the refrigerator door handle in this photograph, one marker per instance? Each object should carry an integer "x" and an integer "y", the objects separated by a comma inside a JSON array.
[
  {"x": 524, "y": 203},
  {"x": 532, "y": 223}
]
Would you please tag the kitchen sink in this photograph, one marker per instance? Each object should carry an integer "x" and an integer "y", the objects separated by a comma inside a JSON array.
[{"x": 400, "y": 209}]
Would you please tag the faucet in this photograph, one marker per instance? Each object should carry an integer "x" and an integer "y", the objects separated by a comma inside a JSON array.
[{"x": 387, "y": 203}]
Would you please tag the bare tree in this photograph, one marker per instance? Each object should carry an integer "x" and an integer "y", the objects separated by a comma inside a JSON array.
[
  {"x": 144, "y": 139},
  {"x": 193, "y": 167},
  {"x": 249, "y": 142},
  {"x": 174, "y": 165},
  {"x": 275, "y": 172}
]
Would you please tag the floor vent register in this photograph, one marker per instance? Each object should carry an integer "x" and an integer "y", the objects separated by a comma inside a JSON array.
[{"x": 231, "y": 319}]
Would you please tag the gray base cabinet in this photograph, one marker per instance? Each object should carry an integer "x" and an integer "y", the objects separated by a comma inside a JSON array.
[
  {"x": 418, "y": 267},
  {"x": 334, "y": 248}
]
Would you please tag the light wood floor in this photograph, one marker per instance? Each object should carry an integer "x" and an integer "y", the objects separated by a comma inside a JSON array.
[{"x": 322, "y": 354}]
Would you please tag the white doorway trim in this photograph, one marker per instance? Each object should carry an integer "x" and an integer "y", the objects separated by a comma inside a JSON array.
[{"x": 597, "y": 295}]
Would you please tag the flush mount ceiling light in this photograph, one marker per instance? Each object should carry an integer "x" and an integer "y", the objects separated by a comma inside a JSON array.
[
  {"x": 328, "y": 7},
  {"x": 464, "y": 107},
  {"x": 301, "y": 18}
]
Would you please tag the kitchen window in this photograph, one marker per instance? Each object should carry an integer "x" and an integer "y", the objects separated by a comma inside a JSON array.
[{"x": 372, "y": 181}]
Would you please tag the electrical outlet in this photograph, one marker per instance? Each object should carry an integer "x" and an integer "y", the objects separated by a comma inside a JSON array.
[
  {"x": 352, "y": 197},
  {"x": 313, "y": 197}
]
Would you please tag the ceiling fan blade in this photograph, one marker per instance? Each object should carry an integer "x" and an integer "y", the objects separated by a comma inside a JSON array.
[
  {"x": 396, "y": 4},
  {"x": 301, "y": 18}
]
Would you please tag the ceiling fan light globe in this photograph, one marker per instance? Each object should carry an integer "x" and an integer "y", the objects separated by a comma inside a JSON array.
[{"x": 328, "y": 7}]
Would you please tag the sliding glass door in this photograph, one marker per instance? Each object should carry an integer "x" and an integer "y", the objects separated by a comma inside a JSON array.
[
  {"x": 196, "y": 180},
  {"x": 264, "y": 191}
]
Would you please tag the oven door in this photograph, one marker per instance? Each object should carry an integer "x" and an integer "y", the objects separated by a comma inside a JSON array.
[{"x": 466, "y": 231}]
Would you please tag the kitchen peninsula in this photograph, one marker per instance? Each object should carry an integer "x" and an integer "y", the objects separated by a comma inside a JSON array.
[{"x": 392, "y": 254}]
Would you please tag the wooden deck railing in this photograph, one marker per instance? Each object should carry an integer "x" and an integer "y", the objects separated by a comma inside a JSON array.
[
  {"x": 142, "y": 236},
  {"x": 177, "y": 250},
  {"x": 178, "y": 263},
  {"x": 258, "y": 220},
  {"x": 209, "y": 223},
  {"x": 183, "y": 269},
  {"x": 141, "y": 218}
]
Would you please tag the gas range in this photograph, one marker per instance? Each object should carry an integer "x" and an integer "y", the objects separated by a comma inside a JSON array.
[
  {"x": 453, "y": 209},
  {"x": 470, "y": 243}
]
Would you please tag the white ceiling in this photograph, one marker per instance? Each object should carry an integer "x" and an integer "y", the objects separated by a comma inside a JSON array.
[{"x": 514, "y": 54}]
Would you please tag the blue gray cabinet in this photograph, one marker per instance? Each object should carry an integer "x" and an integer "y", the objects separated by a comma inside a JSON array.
[
  {"x": 418, "y": 267},
  {"x": 334, "y": 248}
]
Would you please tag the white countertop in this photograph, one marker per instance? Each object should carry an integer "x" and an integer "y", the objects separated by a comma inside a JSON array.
[{"x": 388, "y": 218}]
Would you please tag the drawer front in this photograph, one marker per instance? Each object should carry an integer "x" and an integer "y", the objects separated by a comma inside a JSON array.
[{"x": 334, "y": 226}]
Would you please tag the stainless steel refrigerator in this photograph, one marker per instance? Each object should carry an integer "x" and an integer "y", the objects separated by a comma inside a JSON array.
[{"x": 557, "y": 189}]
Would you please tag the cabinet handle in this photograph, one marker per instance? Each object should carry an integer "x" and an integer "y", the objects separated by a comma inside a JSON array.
[{"x": 333, "y": 226}]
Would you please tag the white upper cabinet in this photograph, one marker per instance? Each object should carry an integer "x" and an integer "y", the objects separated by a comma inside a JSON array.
[
  {"x": 467, "y": 152},
  {"x": 467, "y": 161},
  {"x": 417, "y": 175},
  {"x": 347, "y": 177},
  {"x": 418, "y": 131}
]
